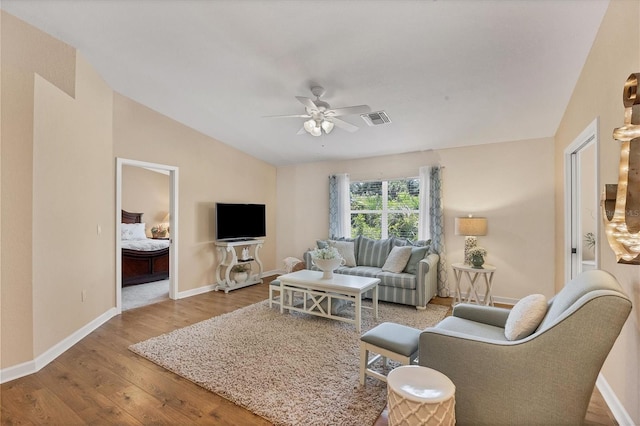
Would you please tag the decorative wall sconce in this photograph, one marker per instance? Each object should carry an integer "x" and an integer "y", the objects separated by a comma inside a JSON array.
[
  {"x": 470, "y": 227},
  {"x": 621, "y": 202}
]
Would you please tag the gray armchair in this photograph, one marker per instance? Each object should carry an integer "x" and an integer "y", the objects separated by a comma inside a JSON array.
[{"x": 545, "y": 378}]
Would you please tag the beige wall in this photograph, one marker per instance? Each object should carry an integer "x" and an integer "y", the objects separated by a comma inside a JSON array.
[
  {"x": 25, "y": 52},
  {"x": 509, "y": 183},
  {"x": 73, "y": 186},
  {"x": 210, "y": 171},
  {"x": 145, "y": 191},
  {"x": 598, "y": 94}
]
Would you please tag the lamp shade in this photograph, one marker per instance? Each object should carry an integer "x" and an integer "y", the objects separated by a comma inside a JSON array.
[{"x": 471, "y": 226}]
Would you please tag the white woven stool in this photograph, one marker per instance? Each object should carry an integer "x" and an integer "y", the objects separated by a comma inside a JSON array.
[
  {"x": 388, "y": 340},
  {"x": 420, "y": 396}
]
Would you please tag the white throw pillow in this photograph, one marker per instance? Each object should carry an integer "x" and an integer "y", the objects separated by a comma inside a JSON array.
[
  {"x": 133, "y": 231},
  {"x": 346, "y": 250},
  {"x": 525, "y": 317},
  {"x": 397, "y": 259}
]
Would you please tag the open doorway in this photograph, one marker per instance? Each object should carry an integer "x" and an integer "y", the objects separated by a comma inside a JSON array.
[
  {"x": 170, "y": 219},
  {"x": 582, "y": 212}
]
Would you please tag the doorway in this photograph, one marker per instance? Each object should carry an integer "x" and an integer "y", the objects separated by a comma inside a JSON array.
[
  {"x": 582, "y": 211},
  {"x": 173, "y": 224}
]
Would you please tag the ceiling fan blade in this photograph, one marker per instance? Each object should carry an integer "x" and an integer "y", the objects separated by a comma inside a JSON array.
[
  {"x": 302, "y": 131},
  {"x": 308, "y": 103},
  {"x": 287, "y": 116},
  {"x": 344, "y": 125},
  {"x": 356, "y": 109}
]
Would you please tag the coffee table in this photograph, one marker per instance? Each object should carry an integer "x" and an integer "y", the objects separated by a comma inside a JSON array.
[{"x": 314, "y": 290}]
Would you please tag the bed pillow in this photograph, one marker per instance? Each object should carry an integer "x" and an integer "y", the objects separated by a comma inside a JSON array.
[
  {"x": 397, "y": 259},
  {"x": 525, "y": 316},
  {"x": 133, "y": 231},
  {"x": 346, "y": 250}
]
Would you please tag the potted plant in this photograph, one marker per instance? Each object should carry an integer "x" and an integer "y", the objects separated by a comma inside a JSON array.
[
  {"x": 241, "y": 272},
  {"x": 159, "y": 231},
  {"x": 477, "y": 255}
]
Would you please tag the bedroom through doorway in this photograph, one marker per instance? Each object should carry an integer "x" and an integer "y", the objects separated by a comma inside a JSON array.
[{"x": 146, "y": 233}]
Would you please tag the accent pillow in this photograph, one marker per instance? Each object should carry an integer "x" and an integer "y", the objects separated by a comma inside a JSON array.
[
  {"x": 133, "y": 231},
  {"x": 322, "y": 244},
  {"x": 397, "y": 259},
  {"x": 346, "y": 250},
  {"x": 525, "y": 316},
  {"x": 417, "y": 254},
  {"x": 373, "y": 252}
]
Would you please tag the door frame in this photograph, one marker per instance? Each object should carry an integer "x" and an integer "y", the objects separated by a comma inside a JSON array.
[
  {"x": 173, "y": 224},
  {"x": 572, "y": 172}
]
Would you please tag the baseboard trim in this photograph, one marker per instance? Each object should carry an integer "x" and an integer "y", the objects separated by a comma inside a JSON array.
[
  {"x": 35, "y": 365},
  {"x": 211, "y": 287},
  {"x": 617, "y": 409}
]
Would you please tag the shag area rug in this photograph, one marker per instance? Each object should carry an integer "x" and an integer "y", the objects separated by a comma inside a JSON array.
[{"x": 291, "y": 368}]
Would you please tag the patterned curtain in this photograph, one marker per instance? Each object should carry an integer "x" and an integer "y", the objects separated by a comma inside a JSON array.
[
  {"x": 431, "y": 220},
  {"x": 339, "y": 206}
]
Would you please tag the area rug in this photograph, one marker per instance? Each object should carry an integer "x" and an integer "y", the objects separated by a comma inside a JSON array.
[{"x": 291, "y": 368}]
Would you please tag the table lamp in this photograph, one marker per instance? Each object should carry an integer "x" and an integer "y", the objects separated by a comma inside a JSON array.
[{"x": 470, "y": 227}]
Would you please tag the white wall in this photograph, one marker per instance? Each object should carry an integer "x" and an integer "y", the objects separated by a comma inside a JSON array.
[{"x": 509, "y": 183}]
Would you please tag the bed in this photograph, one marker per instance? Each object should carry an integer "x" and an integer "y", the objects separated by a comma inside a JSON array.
[{"x": 143, "y": 259}]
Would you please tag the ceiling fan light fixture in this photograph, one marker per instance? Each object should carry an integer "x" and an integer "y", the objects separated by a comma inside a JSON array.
[
  {"x": 309, "y": 125},
  {"x": 316, "y": 131},
  {"x": 327, "y": 126}
]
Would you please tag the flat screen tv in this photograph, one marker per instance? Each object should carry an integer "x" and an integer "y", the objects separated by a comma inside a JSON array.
[{"x": 240, "y": 221}]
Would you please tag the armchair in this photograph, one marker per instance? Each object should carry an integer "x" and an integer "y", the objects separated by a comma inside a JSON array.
[{"x": 545, "y": 378}]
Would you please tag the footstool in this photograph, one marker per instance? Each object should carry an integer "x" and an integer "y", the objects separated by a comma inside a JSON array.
[
  {"x": 388, "y": 340},
  {"x": 420, "y": 396}
]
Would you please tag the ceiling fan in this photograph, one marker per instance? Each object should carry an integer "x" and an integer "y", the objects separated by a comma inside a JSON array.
[{"x": 321, "y": 117}]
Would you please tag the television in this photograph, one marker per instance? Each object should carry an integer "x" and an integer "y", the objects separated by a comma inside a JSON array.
[{"x": 240, "y": 221}]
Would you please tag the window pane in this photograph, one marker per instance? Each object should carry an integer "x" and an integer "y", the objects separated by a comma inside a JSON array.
[
  {"x": 404, "y": 194},
  {"x": 366, "y": 195},
  {"x": 366, "y": 224},
  {"x": 403, "y": 225}
]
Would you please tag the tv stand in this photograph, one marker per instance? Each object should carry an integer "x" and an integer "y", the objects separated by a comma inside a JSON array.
[{"x": 228, "y": 253}]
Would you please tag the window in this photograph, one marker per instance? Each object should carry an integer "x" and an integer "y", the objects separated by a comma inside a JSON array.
[{"x": 383, "y": 209}]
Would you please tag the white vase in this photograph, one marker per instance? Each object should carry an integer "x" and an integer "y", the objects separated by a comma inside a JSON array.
[
  {"x": 327, "y": 266},
  {"x": 240, "y": 277}
]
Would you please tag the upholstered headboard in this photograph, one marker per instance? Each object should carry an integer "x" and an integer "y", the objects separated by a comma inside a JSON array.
[{"x": 131, "y": 217}]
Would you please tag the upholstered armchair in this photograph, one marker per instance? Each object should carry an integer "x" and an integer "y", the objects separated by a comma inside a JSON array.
[{"x": 546, "y": 377}]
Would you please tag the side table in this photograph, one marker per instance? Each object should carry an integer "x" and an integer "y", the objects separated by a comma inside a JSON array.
[
  {"x": 419, "y": 395},
  {"x": 472, "y": 274}
]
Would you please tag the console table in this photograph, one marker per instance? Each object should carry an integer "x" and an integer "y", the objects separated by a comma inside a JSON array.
[
  {"x": 228, "y": 253},
  {"x": 472, "y": 274}
]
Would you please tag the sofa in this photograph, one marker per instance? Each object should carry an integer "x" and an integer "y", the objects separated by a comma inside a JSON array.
[{"x": 406, "y": 279}]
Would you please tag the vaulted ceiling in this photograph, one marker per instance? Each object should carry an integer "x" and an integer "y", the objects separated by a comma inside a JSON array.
[{"x": 448, "y": 73}]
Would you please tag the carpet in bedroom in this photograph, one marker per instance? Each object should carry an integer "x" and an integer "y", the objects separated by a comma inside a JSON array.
[{"x": 134, "y": 296}]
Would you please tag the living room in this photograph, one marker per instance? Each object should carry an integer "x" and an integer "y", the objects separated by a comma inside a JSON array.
[{"x": 63, "y": 125}]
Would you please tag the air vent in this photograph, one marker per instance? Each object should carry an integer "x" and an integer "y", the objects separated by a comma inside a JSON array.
[{"x": 376, "y": 118}]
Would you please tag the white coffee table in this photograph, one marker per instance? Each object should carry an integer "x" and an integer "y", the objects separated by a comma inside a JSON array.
[{"x": 314, "y": 290}]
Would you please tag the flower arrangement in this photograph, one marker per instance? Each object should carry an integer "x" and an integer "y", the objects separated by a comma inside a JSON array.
[
  {"x": 325, "y": 253},
  {"x": 477, "y": 251}
]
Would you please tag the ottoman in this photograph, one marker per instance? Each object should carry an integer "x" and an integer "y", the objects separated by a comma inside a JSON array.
[{"x": 388, "y": 340}]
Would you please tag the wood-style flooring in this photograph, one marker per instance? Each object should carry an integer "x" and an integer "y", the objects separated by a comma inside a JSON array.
[{"x": 99, "y": 381}]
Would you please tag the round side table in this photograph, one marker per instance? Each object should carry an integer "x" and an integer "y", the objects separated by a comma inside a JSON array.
[{"x": 420, "y": 396}]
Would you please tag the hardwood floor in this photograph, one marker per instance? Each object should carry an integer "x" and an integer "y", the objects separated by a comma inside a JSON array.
[{"x": 99, "y": 381}]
